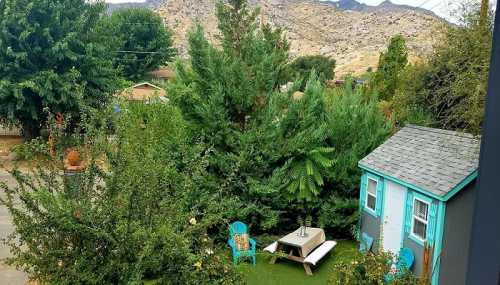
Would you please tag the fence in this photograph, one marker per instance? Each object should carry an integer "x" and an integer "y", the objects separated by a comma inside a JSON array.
[{"x": 9, "y": 131}]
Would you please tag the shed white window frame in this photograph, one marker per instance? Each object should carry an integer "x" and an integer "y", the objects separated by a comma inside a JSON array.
[
  {"x": 416, "y": 217},
  {"x": 374, "y": 195}
]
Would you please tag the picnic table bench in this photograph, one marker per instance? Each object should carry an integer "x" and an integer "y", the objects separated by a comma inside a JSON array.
[{"x": 308, "y": 250}]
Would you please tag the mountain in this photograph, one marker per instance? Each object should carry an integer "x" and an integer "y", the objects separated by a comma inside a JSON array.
[
  {"x": 150, "y": 4},
  {"x": 352, "y": 33},
  {"x": 387, "y": 5},
  {"x": 351, "y": 5},
  {"x": 354, "y": 37}
]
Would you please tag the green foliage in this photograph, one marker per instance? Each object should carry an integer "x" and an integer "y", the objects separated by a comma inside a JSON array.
[
  {"x": 300, "y": 138},
  {"x": 370, "y": 269},
  {"x": 49, "y": 59},
  {"x": 138, "y": 40},
  {"x": 126, "y": 217},
  {"x": 224, "y": 94},
  {"x": 305, "y": 173},
  {"x": 302, "y": 67},
  {"x": 356, "y": 126},
  {"x": 340, "y": 214},
  {"x": 277, "y": 152},
  {"x": 451, "y": 87},
  {"x": 237, "y": 24},
  {"x": 390, "y": 66},
  {"x": 31, "y": 149}
]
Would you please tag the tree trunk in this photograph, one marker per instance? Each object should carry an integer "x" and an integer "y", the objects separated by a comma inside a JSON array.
[{"x": 30, "y": 130}]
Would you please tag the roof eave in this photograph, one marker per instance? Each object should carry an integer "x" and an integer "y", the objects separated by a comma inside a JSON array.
[{"x": 444, "y": 198}]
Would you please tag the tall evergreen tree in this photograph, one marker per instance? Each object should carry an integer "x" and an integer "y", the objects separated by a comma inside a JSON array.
[
  {"x": 48, "y": 59},
  {"x": 390, "y": 66}
]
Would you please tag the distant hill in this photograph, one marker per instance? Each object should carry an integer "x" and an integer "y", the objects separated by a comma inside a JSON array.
[
  {"x": 351, "y": 5},
  {"x": 352, "y": 33},
  {"x": 386, "y": 5},
  {"x": 151, "y": 4}
]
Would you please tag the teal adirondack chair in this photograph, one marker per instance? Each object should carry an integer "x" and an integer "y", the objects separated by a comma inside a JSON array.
[
  {"x": 405, "y": 261},
  {"x": 240, "y": 228}
]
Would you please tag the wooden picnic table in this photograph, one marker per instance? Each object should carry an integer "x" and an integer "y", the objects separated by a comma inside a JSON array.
[{"x": 299, "y": 247}]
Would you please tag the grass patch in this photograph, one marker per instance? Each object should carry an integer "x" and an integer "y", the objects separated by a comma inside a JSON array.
[{"x": 286, "y": 272}]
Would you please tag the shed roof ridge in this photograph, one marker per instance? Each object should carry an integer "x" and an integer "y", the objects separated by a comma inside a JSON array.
[{"x": 444, "y": 132}]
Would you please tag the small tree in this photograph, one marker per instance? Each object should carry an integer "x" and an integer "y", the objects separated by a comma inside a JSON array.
[
  {"x": 49, "y": 59},
  {"x": 138, "y": 39},
  {"x": 302, "y": 67},
  {"x": 391, "y": 65}
]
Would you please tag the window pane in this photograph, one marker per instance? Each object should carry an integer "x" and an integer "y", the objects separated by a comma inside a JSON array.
[
  {"x": 371, "y": 202},
  {"x": 420, "y": 210},
  {"x": 372, "y": 187},
  {"x": 419, "y": 229}
]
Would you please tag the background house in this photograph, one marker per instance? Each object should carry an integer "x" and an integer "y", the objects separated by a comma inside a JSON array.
[
  {"x": 143, "y": 92},
  {"x": 418, "y": 189}
]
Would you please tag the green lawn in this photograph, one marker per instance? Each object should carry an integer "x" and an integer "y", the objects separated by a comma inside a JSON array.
[{"x": 290, "y": 273}]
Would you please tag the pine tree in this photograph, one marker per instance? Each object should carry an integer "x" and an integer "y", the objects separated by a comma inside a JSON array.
[{"x": 391, "y": 65}]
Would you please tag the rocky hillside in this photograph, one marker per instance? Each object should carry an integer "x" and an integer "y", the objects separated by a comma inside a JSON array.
[{"x": 353, "y": 36}]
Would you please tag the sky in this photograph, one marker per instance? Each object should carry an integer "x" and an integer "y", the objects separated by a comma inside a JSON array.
[{"x": 443, "y": 8}]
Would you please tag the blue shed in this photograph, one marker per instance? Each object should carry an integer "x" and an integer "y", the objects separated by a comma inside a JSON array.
[{"x": 417, "y": 189}]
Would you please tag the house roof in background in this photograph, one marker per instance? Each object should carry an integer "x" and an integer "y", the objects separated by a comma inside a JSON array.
[
  {"x": 143, "y": 91},
  {"x": 436, "y": 161}
]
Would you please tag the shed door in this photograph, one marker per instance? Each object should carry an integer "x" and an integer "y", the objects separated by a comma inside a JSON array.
[{"x": 394, "y": 209}]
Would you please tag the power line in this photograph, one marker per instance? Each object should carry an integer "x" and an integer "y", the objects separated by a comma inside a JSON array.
[{"x": 137, "y": 51}]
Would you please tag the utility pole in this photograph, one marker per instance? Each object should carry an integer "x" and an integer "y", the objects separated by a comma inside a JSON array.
[{"x": 484, "y": 251}]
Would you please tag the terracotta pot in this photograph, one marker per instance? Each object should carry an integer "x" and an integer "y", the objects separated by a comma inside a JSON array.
[{"x": 74, "y": 158}]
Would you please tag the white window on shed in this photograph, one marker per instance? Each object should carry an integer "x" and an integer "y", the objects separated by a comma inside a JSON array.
[
  {"x": 420, "y": 219},
  {"x": 371, "y": 194}
]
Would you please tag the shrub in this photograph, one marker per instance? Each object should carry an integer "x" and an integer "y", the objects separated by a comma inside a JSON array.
[
  {"x": 370, "y": 269},
  {"x": 302, "y": 67},
  {"x": 126, "y": 217}
]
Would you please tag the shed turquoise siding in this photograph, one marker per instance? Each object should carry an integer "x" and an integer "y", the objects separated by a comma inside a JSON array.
[{"x": 371, "y": 221}]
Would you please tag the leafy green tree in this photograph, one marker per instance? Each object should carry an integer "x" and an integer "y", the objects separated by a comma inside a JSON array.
[
  {"x": 138, "y": 39},
  {"x": 49, "y": 59},
  {"x": 391, "y": 65},
  {"x": 300, "y": 69},
  {"x": 356, "y": 126},
  {"x": 451, "y": 86}
]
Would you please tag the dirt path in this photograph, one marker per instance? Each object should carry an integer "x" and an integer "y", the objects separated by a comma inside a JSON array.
[{"x": 8, "y": 275}]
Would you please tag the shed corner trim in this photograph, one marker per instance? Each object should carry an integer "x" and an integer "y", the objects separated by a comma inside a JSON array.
[{"x": 461, "y": 185}]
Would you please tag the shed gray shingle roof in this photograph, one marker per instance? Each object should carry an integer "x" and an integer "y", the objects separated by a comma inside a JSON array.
[{"x": 433, "y": 160}]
